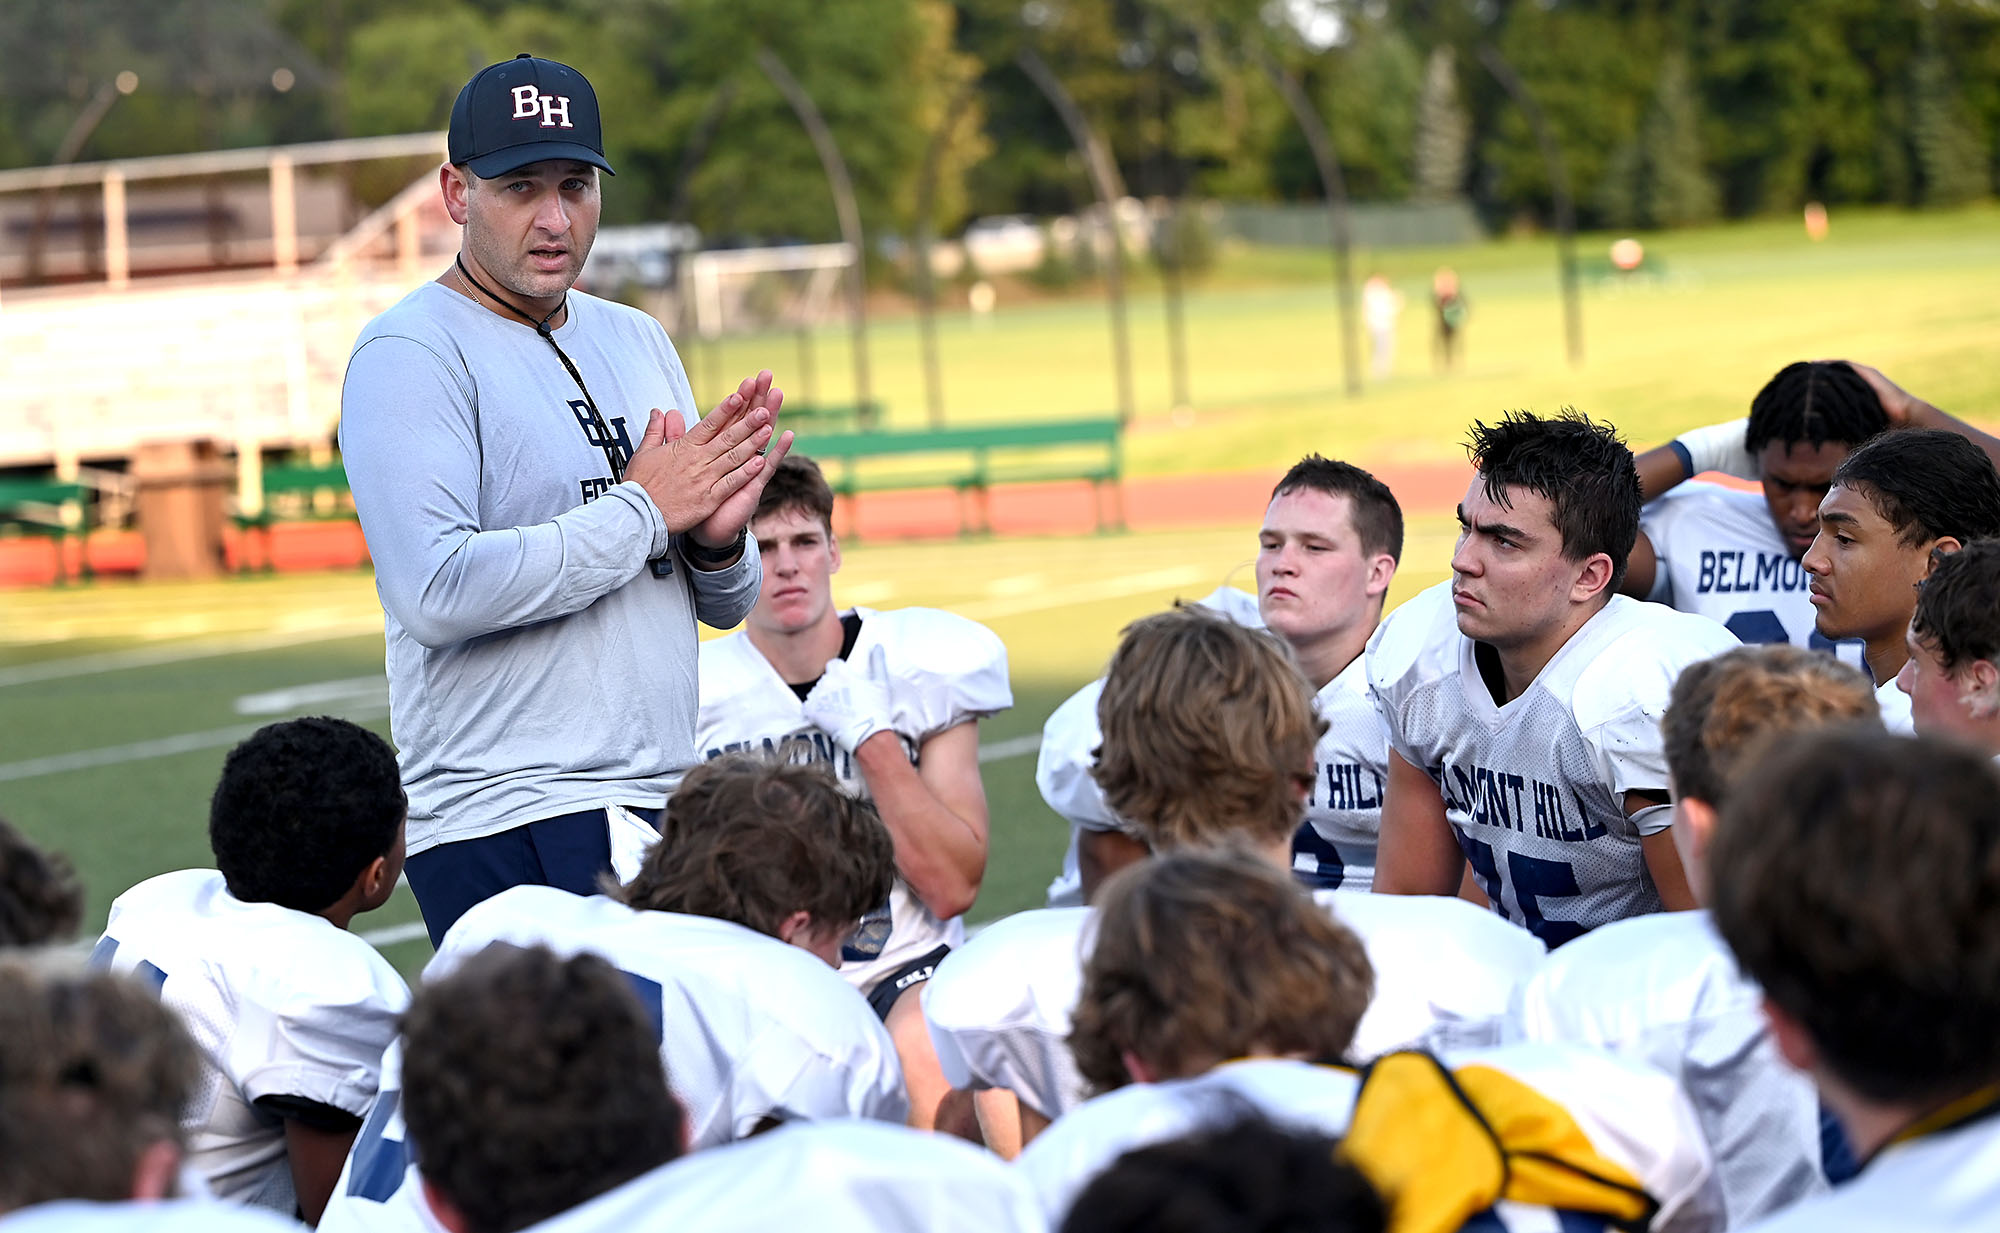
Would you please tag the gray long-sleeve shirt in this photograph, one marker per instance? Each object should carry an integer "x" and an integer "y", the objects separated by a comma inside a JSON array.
[{"x": 536, "y": 665}]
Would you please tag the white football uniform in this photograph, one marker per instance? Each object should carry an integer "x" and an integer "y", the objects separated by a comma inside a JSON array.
[
  {"x": 1534, "y": 790},
  {"x": 750, "y": 1028},
  {"x": 167, "y": 1216},
  {"x": 1629, "y": 1114},
  {"x": 944, "y": 670},
  {"x": 830, "y": 1177},
  {"x": 1721, "y": 557},
  {"x": 1335, "y": 846},
  {"x": 999, "y": 1009},
  {"x": 1895, "y": 707},
  {"x": 281, "y": 1003},
  {"x": 1664, "y": 989},
  {"x": 1946, "y": 1181}
]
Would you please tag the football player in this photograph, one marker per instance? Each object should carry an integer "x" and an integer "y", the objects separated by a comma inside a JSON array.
[
  {"x": 94, "y": 1073},
  {"x": 40, "y": 899},
  {"x": 1326, "y": 554},
  {"x": 1894, "y": 504},
  {"x": 890, "y": 702},
  {"x": 291, "y": 1011},
  {"x": 1856, "y": 877},
  {"x": 1734, "y": 556},
  {"x": 730, "y": 932},
  {"x": 1523, "y": 697},
  {"x": 1952, "y": 676},
  {"x": 1208, "y": 740},
  {"x": 1663, "y": 988},
  {"x": 1217, "y": 985}
]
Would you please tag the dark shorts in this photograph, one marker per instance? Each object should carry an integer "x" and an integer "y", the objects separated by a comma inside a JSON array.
[
  {"x": 571, "y": 851},
  {"x": 882, "y": 998}
]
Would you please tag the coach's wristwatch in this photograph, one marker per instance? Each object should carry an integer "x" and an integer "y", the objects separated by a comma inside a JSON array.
[{"x": 706, "y": 558}]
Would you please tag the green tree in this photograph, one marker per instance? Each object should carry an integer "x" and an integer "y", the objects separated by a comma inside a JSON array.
[
  {"x": 1444, "y": 132},
  {"x": 1952, "y": 162}
]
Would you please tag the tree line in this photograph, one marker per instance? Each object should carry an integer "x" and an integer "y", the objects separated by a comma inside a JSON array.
[{"x": 1667, "y": 112}]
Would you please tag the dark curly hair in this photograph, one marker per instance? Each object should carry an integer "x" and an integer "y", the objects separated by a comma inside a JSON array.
[
  {"x": 751, "y": 839},
  {"x": 1857, "y": 878},
  {"x": 1926, "y": 483},
  {"x": 1958, "y": 606},
  {"x": 532, "y": 1084},
  {"x": 302, "y": 808},
  {"x": 1580, "y": 465},
  {"x": 40, "y": 899},
  {"x": 1244, "y": 1176},
  {"x": 1814, "y": 402}
]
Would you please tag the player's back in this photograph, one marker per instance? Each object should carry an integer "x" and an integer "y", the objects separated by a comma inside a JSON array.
[
  {"x": 1721, "y": 556},
  {"x": 1535, "y": 786},
  {"x": 830, "y": 1177},
  {"x": 284, "y": 1005},
  {"x": 1942, "y": 1181},
  {"x": 750, "y": 1028},
  {"x": 1665, "y": 990},
  {"x": 151, "y": 1216}
]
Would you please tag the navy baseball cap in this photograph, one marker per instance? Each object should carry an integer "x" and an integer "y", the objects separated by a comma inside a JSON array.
[{"x": 523, "y": 111}]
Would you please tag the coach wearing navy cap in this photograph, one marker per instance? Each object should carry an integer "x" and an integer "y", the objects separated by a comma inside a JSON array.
[{"x": 540, "y": 573}]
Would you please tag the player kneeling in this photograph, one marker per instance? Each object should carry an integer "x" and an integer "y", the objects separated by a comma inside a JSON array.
[
  {"x": 729, "y": 933},
  {"x": 291, "y": 1011},
  {"x": 1216, "y": 984}
]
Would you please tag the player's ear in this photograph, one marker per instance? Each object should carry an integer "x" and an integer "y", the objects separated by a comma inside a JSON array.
[
  {"x": 832, "y": 550},
  {"x": 1592, "y": 577},
  {"x": 1794, "y": 1043},
  {"x": 443, "y": 1209},
  {"x": 795, "y": 926},
  {"x": 156, "y": 1173},
  {"x": 1137, "y": 1067},
  {"x": 1942, "y": 546},
  {"x": 1982, "y": 697},
  {"x": 1694, "y": 824},
  {"x": 455, "y": 184},
  {"x": 1381, "y": 570}
]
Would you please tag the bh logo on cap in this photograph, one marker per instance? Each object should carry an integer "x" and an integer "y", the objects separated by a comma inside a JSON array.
[{"x": 530, "y": 102}]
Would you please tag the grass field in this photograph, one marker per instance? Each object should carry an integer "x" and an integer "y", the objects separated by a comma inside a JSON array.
[{"x": 118, "y": 701}]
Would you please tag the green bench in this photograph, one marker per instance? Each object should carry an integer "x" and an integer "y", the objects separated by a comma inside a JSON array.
[
  {"x": 971, "y": 460},
  {"x": 40, "y": 505},
  {"x": 290, "y": 490}
]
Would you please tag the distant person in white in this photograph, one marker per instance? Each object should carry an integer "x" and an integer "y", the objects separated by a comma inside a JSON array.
[
  {"x": 1856, "y": 876},
  {"x": 1524, "y": 696},
  {"x": 1208, "y": 741},
  {"x": 890, "y": 703},
  {"x": 1895, "y": 504},
  {"x": 94, "y": 1073},
  {"x": 1216, "y": 989},
  {"x": 1952, "y": 676},
  {"x": 1326, "y": 554},
  {"x": 1381, "y": 304},
  {"x": 291, "y": 1011},
  {"x": 1663, "y": 988},
  {"x": 730, "y": 932}
]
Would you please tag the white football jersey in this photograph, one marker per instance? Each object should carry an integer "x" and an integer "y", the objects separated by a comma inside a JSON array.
[
  {"x": 1446, "y": 971},
  {"x": 1721, "y": 557},
  {"x": 1947, "y": 1181},
  {"x": 1535, "y": 789},
  {"x": 829, "y": 1177},
  {"x": 1335, "y": 846},
  {"x": 378, "y": 1190},
  {"x": 1664, "y": 989},
  {"x": 1895, "y": 707},
  {"x": 998, "y": 1009},
  {"x": 166, "y": 1216},
  {"x": 1631, "y": 1115},
  {"x": 944, "y": 670},
  {"x": 280, "y": 1002}
]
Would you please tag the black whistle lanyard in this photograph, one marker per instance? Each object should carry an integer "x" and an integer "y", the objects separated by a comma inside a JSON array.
[{"x": 662, "y": 566}]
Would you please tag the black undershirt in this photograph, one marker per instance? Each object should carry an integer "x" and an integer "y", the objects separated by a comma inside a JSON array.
[{"x": 850, "y": 633}]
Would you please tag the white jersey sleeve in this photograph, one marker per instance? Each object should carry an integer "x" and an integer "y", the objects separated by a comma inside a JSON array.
[
  {"x": 829, "y": 1177},
  {"x": 944, "y": 670},
  {"x": 281, "y": 1003},
  {"x": 1947, "y": 1181},
  {"x": 750, "y": 1028},
  {"x": 1534, "y": 787},
  {"x": 144, "y": 1216},
  {"x": 1446, "y": 972},
  {"x": 1664, "y": 990},
  {"x": 999, "y": 1008},
  {"x": 1068, "y": 1156},
  {"x": 1721, "y": 556}
]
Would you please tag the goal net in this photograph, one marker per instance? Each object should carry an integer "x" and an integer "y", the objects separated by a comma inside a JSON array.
[{"x": 756, "y": 290}]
